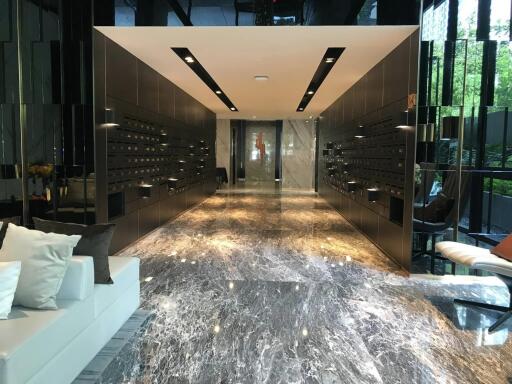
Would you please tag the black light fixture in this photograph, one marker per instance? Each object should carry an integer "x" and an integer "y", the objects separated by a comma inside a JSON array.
[
  {"x": 172, "y": 183},
  {"x": 351, "y": 186},
  {"x": 110, "y": 118},
  {"x": 145, "y": 190},
  {"x": 406, "y": 119},
  {"x": 425, "y": 147},
  {"x": 200, "y": 71},
  {"x": 373, "y": 194},
  {"x": 328, "y": 60},
  {"x": 425, "y": 133},
  {"x": 450, "y": 128}
]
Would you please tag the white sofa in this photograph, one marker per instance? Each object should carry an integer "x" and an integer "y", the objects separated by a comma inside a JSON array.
[{"x": 45, "y": 346}]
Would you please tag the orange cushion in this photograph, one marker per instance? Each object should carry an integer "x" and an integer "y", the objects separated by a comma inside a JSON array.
[{"x": 504, "y": 248}]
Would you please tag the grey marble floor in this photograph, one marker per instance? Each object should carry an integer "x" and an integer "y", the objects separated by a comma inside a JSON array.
[{"x": 267, "y": 288}]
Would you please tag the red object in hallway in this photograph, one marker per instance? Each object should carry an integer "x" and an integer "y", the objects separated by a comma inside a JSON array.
[{"x": 260, "y": 145}]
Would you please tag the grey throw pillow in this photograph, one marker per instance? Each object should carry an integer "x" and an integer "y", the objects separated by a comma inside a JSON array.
[
  {"x": 44, "y": 259},
  {"x": 3, "y": 226},
  {"x": 438, "y": 210},
  {"x": 95, "y": 242}
]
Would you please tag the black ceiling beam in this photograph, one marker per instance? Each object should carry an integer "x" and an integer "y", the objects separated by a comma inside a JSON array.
[
  {"x": 330, "y": 58},
  {"x": 191, "y": 61},
  {"x": 180, "y": 13}
]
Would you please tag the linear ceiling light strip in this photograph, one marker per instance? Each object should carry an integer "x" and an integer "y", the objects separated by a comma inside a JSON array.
[
  {"x": 330, "y": 58},
  {"x": 189, "y": 59}
]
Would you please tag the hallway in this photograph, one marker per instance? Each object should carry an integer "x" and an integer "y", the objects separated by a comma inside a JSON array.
[{"x": 252, "y": 288}]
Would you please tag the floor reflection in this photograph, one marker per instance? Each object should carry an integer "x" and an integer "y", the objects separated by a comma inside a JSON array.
[{"x": 275, "y": 288}]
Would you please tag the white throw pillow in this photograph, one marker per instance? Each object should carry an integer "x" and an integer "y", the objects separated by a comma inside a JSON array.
[
  {"x": 9, "y": 274},
  {"x": 44, "y": 259}
]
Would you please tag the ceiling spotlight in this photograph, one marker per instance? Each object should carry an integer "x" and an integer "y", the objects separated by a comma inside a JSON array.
[
  {"x": 261, "y": 77},
  {"x": 359, "y": 137},
  {"x": 331, "y": 54},
  {"x": 233, "y": 108},
  {"x": 310, "y": 117},
  {"x": 201, "y": 72}
]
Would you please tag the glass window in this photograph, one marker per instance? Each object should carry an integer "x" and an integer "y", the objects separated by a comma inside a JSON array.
[
  {"x": 500, "y": 20},
  {"x": 125, "y": 13}
]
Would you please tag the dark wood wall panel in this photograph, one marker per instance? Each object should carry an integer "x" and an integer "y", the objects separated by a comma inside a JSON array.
[
  {"x": 147, "y": 87},
  {"x": 375, "y": 87},
  {"x": 121, "y": 73},
  {"x": 165, "y": 97},
  {"x": 158, "y": 158},
  {"x": 363, "y": 148},
  {"x": 396, "y": 74}
]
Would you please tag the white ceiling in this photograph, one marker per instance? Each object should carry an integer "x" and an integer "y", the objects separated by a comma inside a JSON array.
[{"x": 288, "y": 55}]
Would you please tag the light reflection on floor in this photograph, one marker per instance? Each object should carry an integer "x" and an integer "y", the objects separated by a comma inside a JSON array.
[{"x": 279, "y": 288}]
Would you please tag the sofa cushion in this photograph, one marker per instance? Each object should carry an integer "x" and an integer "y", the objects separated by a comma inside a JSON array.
[
  {"x": 437, "y": 211},
  {"x": 504, "y": 248},
  {"x": 44, "y": 259},
  {"x": 3, "y": 226},
  {"x": 461, "y": 253},
  {"x": 124, "y": 271},
  {"x": 95, "y": 242},
  {"x": 78, "y": 282},
  {"x": 474, "y": 257},
  {"x": 29, "y": 338},
  {"x": 9, "y": 274}
]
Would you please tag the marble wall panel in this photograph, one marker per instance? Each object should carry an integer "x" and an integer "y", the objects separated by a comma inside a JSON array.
[
  {"x": 298, "y": 154},
  {"x": 223, "y": 146}
]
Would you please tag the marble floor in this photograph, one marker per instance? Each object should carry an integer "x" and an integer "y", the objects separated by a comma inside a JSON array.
[{"x": 278, "y": 288}]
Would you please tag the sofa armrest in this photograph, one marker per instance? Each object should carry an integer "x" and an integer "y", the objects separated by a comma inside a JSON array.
[{"x": 78, "y": 283}]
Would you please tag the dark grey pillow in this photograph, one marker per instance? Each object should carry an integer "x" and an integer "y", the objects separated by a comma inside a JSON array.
[
  {"x": 95, "y": 242},
  {"x": 438, "y": 210},
  {"x": 5, "y": 222}
]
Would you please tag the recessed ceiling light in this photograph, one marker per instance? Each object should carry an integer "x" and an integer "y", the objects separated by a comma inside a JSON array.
[
  {"x": 233, "y": 108},
  {"x": 189, "y": 58},
  {"x": 359, "y": 137},
  {"x": 261, "y": 77},
  {"x": 331, "y": 54}
]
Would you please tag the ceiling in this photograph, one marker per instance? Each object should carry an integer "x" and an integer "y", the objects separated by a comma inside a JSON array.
[{"x": 288, "y": 55}]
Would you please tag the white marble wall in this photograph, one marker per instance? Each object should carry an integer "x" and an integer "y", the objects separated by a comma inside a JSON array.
[
  {"x": 298, "y": 154},
  {"x": 223, "y": 145}
]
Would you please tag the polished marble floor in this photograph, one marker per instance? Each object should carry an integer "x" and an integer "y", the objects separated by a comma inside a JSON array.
[{"x": 278, "y": 288}]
